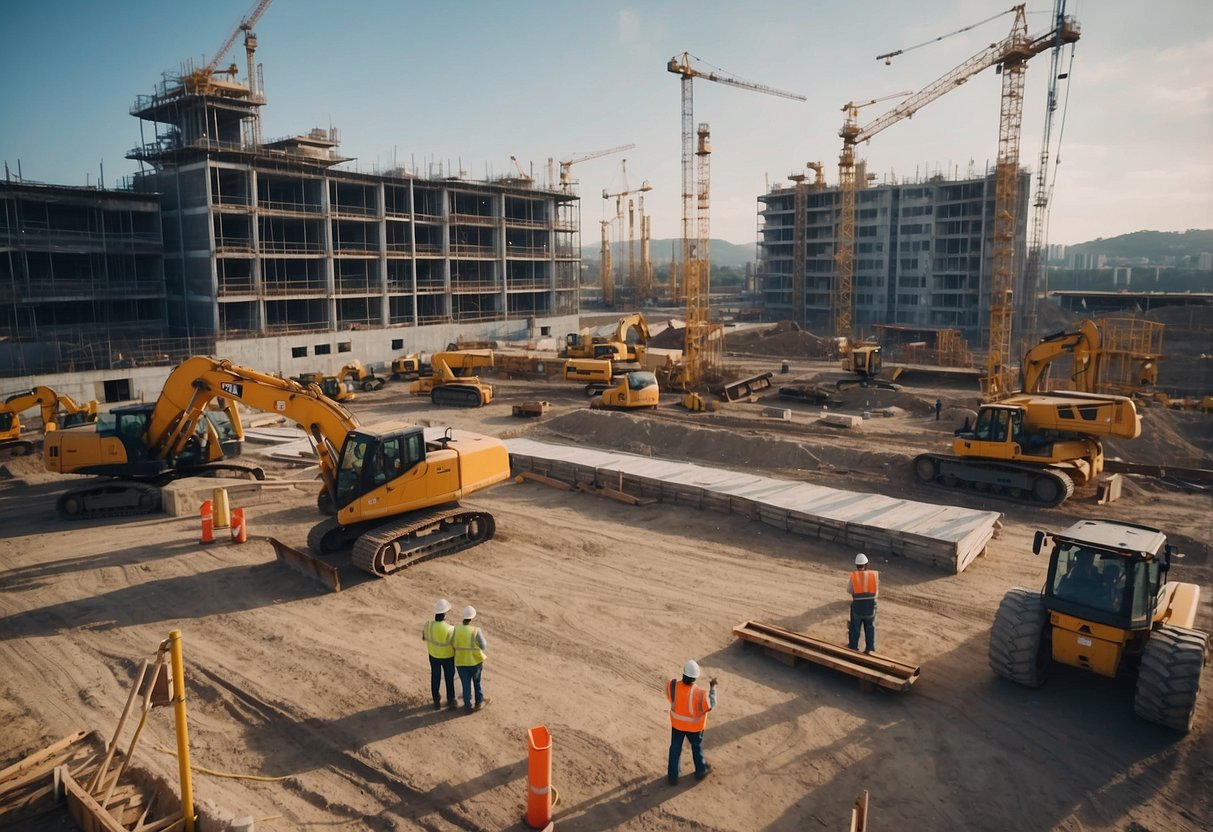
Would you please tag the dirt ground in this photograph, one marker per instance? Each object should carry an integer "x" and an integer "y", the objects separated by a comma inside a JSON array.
[{"x": 588, "y": 607}]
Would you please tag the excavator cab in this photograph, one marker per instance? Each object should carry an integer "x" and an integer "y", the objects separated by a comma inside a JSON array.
[
  {"x": 371, "y": 460},
  {"x": 10, "y": 427}
]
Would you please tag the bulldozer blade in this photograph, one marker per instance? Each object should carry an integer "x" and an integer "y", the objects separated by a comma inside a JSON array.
[
  {"x": 307, "y": 565},
  {"x": 745, "y": 387}
]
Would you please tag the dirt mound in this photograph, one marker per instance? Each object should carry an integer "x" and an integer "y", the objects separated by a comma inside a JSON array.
[
  {"x": 784, "y": 339},
  {"x": 1164, "y": 440}
]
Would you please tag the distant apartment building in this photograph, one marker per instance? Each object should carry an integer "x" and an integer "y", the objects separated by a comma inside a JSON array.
[
  {"x": 1080, "y": 261},
  {"x": 1057, "y": 252},
  {"x": 1204, "y": 262},
  {"x": 923, "y": 254},
  {"x": 81, "y": 276}
]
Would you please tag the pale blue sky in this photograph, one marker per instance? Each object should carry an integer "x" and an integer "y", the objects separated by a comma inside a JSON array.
[{"x": 472, "y": 83}]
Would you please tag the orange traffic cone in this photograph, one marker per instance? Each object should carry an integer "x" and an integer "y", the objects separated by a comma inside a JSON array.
[
  {"x": 239, "y": 529},
  {"x": 208, "y": 523},
  {"x": 539, "y": 778}
]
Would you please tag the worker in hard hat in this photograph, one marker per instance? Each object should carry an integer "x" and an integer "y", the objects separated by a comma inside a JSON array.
[
  {"x": 689, "y": 706},
  {"x": 469, "y": 647},
  {"x": 863, "y": 587},
  {"x": 439, "y": 637}
]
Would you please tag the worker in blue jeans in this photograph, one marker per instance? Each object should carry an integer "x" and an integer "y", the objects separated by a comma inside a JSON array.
[
  {"x": 469, "y": 647},
  {"x": 689, "y": 706}
]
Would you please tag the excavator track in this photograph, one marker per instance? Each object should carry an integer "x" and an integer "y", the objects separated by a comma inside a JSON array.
[
  {"x": 1027, "y": 484},
  {"x": 456, "y": 395},
  {"x": 125, "y": 498},
  {"x": 399, "y": 545}
]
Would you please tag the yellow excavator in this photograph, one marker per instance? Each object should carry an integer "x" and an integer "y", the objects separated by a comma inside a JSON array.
[
  {"x": 391, "y": 489},
  {"x": 134, "y": 450},
  {"x": 335, "y": 387},
  {"x": 58, "y": 410},
  {"x": 360, "y": 376},
  {"x": 626, "y": 355},
  {"x": 1032, "y": 447},
  {"x": 409, "y": 367},
  {"x": 451, "y": 381},
  {"x": 1107, "y": 607},
  {"x": 865, "y": 361}
]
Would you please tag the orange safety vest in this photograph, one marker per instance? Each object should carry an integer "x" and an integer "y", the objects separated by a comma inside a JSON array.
[
  {"x": 865, "y": 586},
  {"x": 688, "y": 706}
]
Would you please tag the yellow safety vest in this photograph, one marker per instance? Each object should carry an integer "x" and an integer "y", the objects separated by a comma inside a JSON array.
[
  {"x": 467, "y": 652},
  {"x": 439, "y": 636}
]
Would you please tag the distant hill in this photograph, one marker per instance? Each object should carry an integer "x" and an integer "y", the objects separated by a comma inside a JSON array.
[
  {"x": 723, "y": 253},
  {"x": 1153, "y": 246}
]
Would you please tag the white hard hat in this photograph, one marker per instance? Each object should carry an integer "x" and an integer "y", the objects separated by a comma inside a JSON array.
[
  {"x": 469, "y": 612},
  {"x": 861, "y": 559},
  {"x": 442, "y": 606},
  {"x": 691, "y": 669}
]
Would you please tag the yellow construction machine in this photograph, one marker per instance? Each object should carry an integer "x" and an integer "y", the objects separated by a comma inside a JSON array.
[
  {"x": 1031, "y": 447},
  {"x": 1107, "y": 607},
  {"x": 866, "y": 362},
  {"x": 134, "y": 450},
  {"x": 409, "y": 367},
  {"x": 616, "y": 348},
  {"x": 360, "y": 376},
  {"x": 451, "y": 381},
  {"x": 1082, "y": 346},
  {"x": 57, "y": 409},
  {"x": 335, "y": 387},
  {"x": 632, "y": 390}
]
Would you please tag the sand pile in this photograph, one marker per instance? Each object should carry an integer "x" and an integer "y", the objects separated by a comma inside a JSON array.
[{"x": 784, "y": 339}]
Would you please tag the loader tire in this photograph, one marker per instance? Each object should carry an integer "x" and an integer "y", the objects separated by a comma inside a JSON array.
[
  {"x": 1168, "y": 680},
  {"x": 1018, "y": 650}
]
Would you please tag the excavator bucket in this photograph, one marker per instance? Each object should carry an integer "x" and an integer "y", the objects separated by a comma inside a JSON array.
[
  {"x": 746, "y": 387},
  {"x": 307, "y": 565}
]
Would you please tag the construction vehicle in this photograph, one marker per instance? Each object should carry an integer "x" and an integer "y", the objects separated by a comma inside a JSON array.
[
  {"x": 409, "y": 367},
  {"x": 1031, "y": 447},
  {"x": 451, "y": 381},
  {"x": 1082, "y": 345},
  {"x": 391, "y": 490},
  {"x": 637, "y": 388},
  {"x": 1107, "y": 607},
  {"x": 866, "y": 362},
  {"x": 134, "y": 450},
  {"x": 336, "y": 388},
  {"x": 360, "y": 376},
  {"x": 598, "y": 374},
  {"x": 57, "y": 409},
  {"x": 615, "y": 347}
]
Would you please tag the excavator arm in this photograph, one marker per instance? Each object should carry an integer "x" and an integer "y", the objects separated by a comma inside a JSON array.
[
  {"x": 50, "y": 403},
  {"x": 629, "y": 322},
  {"x": 1083, "y": 345},
  {"x": 199, "y": 381}
]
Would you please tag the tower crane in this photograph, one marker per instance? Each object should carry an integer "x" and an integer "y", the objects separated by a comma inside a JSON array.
[
  {"x": 200, "y": 79},
  {"x": 1037, "y": 266},
  {"x": 696, "y": 268},
  {"x": 1010, "y": 55},
  {"x": 618, "y": 197},
  {"x": 522, "y": 174},
  {"x": 565, "y": 182}
]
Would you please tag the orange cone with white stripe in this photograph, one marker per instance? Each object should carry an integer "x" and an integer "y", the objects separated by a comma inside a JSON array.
[
  {"x": 208, "y": 522},
  {"x": 539, "y": 778},
  {"x": 239, "y": 529}
]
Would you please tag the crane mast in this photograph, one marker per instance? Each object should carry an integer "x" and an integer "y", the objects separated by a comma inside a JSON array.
[
  {"x": 632, "y": 281},
  {"x": 1011, "y": 55},
  {"x": 696, "y": 266}
]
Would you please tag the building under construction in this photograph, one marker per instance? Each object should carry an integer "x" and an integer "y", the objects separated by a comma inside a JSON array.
[
  {"x": 260, "y": 249},
  {"x": 923, "y": 253}
]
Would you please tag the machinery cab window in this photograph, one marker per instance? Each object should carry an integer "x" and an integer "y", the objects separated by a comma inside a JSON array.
[
  {"x": 993, "y": 424},
  {"x": 639, "y": 380},
  {"x": 351, "y": 466},
  {"x": 7, "y": 420},
  {"x": 1147, "y": 583},
  {"x": 1090, "y": 578},
  {"x": 368, "y": 462}
]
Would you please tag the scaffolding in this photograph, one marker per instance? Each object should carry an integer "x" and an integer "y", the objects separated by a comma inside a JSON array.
[{"x": 1132, "y": 348}]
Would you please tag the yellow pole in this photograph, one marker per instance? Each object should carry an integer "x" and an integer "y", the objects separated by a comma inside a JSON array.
[{"x": 183, "y": 735}]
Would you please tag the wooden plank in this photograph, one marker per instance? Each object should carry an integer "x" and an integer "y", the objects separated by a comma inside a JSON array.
[
  {"x": 550, "y": 481},
  {"x": 887, "y": 673},
  {"x": 39, "y": 756},
  {"x": 86, "y": 811}
]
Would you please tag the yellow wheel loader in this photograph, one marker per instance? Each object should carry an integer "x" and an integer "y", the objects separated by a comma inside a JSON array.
[{"x": 1107, "y": 607}]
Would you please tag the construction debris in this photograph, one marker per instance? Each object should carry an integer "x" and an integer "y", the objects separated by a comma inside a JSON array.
[{"x": 867, "y": 667}]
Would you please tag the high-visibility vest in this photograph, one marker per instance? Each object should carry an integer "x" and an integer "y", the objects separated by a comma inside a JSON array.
[
  {"x": 439, "y": 636},
  {"x": 864, "y": 589},
  {"x": 688, "y": 706},
  {"x": 467, "y": 653}
]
